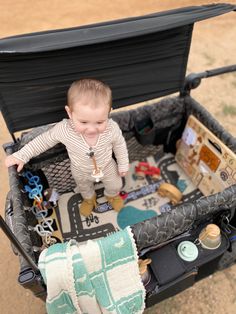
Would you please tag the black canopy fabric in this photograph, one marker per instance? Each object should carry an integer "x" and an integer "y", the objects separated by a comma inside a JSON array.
[{"x": 140, "y": 58}]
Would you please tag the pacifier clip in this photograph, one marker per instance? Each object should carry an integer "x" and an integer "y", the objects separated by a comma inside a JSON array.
[{"x": 97, "y": 173}]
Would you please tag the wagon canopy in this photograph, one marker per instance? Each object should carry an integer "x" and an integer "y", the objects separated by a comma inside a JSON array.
[{"x": 141, "y": 58}]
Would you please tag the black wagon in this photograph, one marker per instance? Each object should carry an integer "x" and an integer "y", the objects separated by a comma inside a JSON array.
[{"x": 142, "y": 59}]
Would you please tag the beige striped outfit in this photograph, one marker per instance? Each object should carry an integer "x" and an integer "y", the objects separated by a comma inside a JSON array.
[{"x": 111, "y": 140}]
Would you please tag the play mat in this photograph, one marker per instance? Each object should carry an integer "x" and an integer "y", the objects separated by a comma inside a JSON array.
[{"x": 140, "y": 198}]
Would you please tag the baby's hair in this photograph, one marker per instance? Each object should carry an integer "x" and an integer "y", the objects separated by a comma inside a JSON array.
[{"x": 91, "y": 87}]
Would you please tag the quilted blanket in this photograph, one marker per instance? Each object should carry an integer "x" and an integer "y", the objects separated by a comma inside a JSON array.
[{"x": 100, "y": 276}]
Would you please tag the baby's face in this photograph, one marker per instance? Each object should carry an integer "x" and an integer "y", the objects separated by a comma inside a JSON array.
[{"x": 90, "y": 120}]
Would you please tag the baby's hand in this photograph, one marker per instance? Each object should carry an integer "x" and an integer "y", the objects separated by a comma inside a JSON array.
[
  {"x": 123, "y": 174},
  {"x": 11, "y": 161}
]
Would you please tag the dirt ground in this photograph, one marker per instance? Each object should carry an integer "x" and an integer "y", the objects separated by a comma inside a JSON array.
[{"x": 213, "y": 45}]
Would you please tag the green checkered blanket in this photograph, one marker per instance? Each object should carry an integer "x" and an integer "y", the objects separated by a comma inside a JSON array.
[{"x": 100, "y": 276}]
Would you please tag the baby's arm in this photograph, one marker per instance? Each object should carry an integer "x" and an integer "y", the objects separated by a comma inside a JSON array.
[
  {"x": 120, "y": 150},
  {"x": 35, "y": 147}
]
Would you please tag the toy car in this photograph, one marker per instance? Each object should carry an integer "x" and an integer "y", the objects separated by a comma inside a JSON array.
[
  {"x": 144, "y": 168},
  {"x": 170, "y": 191}
]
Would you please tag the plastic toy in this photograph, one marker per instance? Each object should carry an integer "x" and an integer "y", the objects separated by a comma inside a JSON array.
[
  {"x": 123, "y": 195},
  {"x": 34, "y": 189},
  {"x": 48, "y": 225},
  {"x": 51, "y": 197},
  {"x": 170, "y": 191},
  {"x": 144, "y": 168}
]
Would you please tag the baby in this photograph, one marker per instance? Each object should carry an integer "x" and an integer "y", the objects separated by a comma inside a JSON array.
[{"x": 90, "y": 137}]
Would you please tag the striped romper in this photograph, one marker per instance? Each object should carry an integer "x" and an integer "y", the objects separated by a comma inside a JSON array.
[{"x": 111, "y": 140}]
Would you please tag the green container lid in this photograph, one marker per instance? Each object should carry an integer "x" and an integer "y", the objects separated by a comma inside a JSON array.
[{"x": 188, "y": 251}]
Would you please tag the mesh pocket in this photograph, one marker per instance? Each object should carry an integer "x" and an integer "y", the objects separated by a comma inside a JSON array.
[{"x": 59, "y": 176}]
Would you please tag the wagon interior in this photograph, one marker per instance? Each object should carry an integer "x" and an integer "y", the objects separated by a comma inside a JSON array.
[{"x": 142, "y": 59}]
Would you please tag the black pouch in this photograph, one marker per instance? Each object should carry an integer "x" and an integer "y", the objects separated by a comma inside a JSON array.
[
  {"x": 166, "y": 264},
  {"x": 144, "y": 131},
  {"x": 161, "y": 136},
  {"x": 147, "y": 133}
]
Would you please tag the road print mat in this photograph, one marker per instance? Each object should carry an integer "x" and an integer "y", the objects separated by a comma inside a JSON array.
[{"x": 140, "y": 198}]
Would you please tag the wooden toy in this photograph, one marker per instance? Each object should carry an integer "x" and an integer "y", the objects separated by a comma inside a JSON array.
[
  {"x": 170, "y": 191},
  {"x": 210, "y": 163},
  {"x": 143, "y": 270}
]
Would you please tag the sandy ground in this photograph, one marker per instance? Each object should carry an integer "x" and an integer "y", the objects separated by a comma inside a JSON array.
[{"x": 213, "y": 45}]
